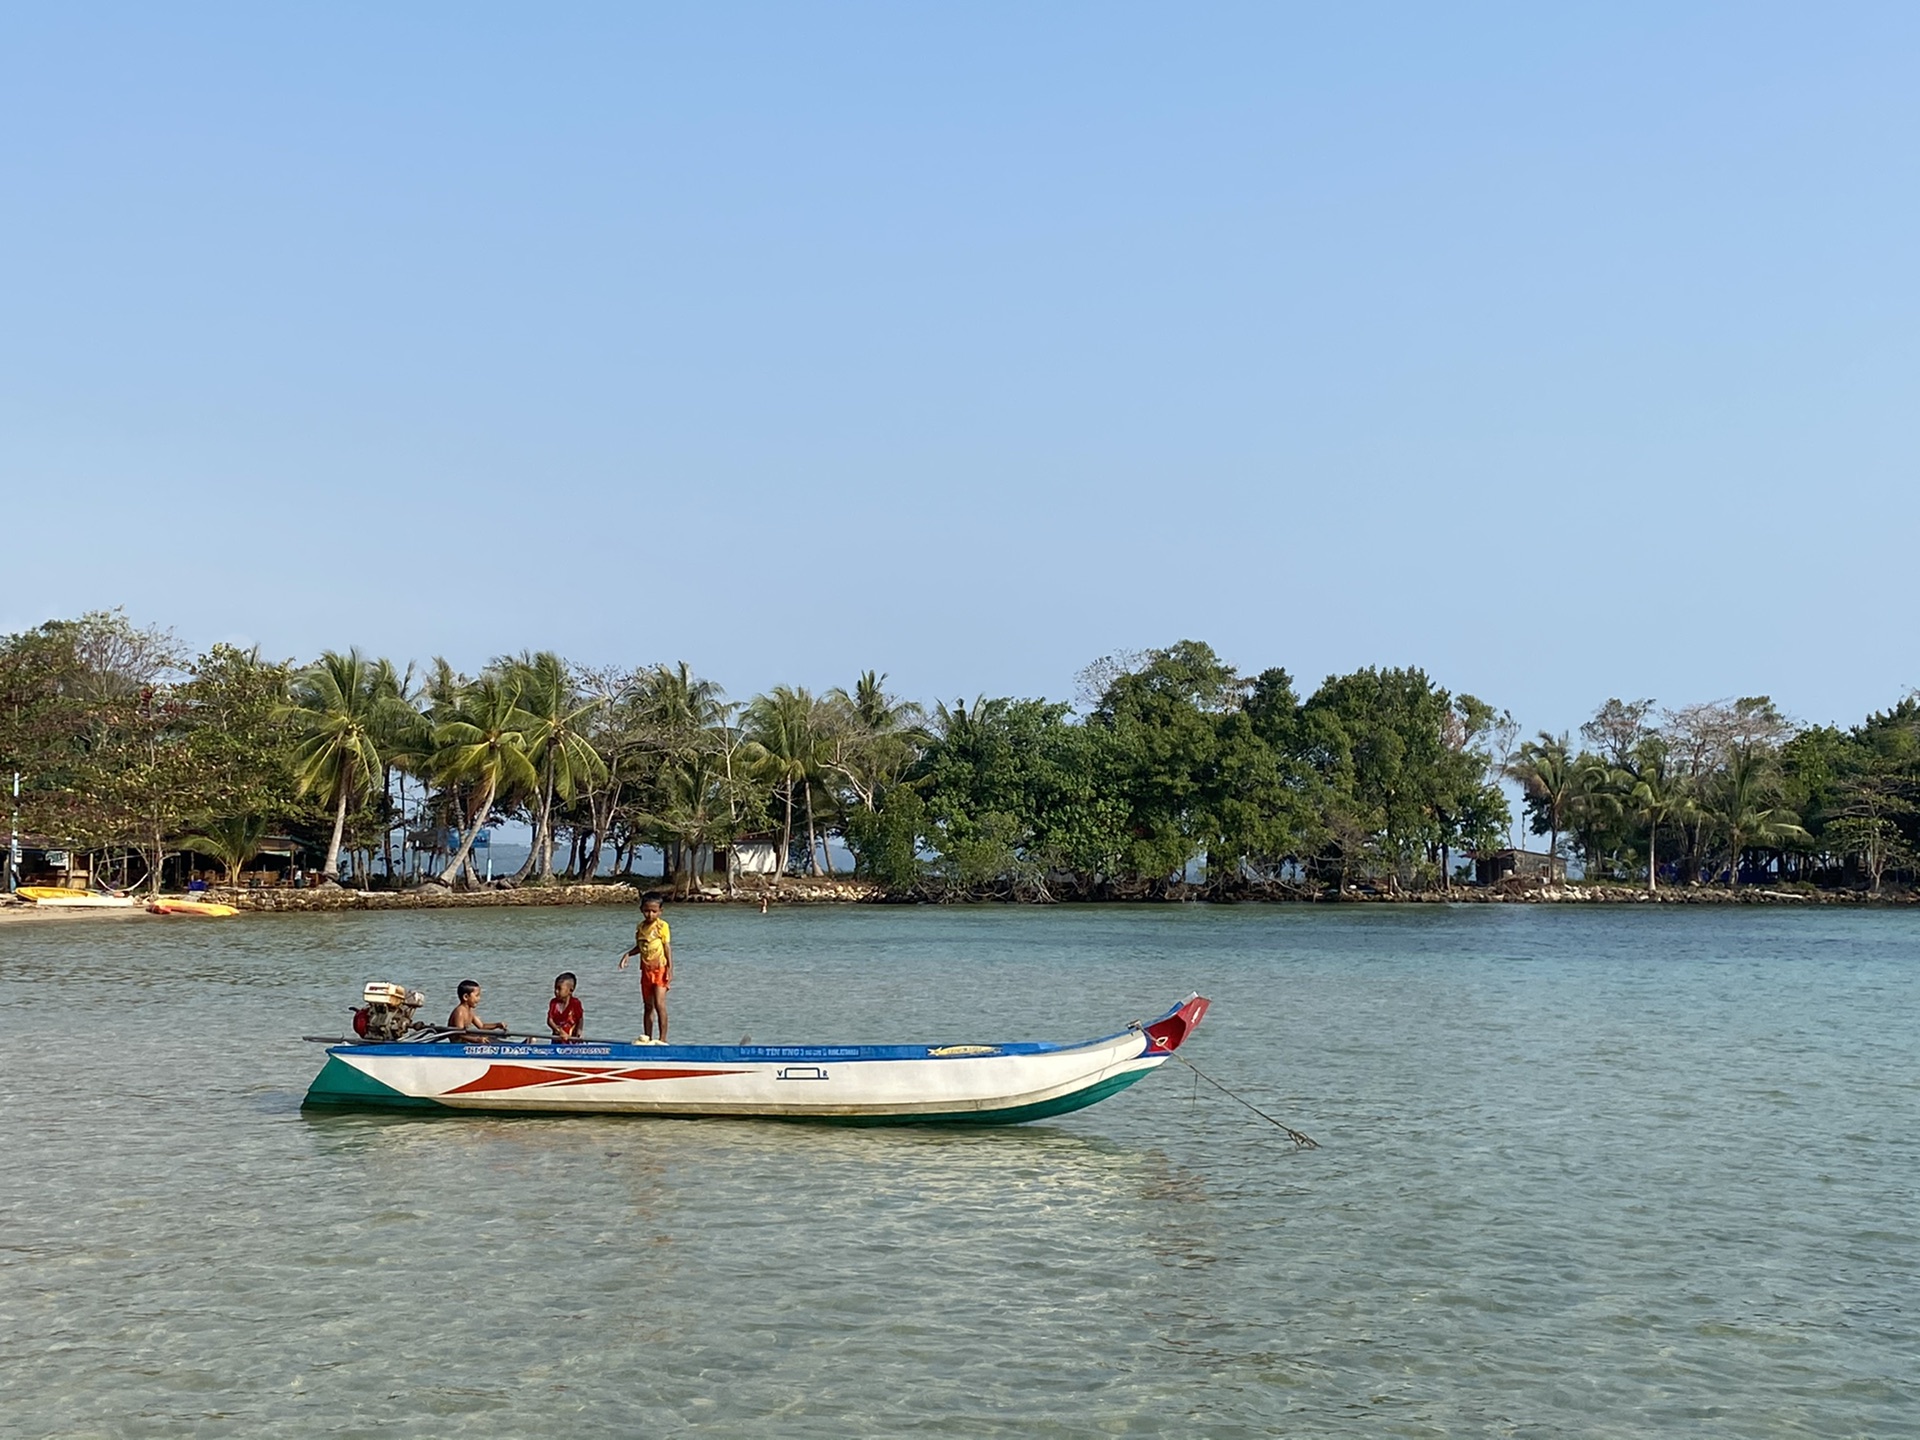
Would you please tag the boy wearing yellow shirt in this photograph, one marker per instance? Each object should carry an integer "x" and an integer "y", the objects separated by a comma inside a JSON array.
[{"x": 653, "y": 943}]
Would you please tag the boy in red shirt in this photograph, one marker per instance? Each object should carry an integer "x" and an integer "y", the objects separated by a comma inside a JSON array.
[{"x": 564, "y": 1015}]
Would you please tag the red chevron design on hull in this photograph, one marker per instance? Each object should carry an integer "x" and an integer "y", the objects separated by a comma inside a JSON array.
[{"x": 521, "y": 1077}]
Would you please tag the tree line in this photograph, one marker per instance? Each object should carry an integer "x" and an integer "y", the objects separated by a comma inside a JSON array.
[{"x": 1170, "y": 769}]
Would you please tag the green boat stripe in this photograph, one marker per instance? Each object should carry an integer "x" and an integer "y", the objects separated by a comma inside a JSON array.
[{"x": 339, "y": 1083}]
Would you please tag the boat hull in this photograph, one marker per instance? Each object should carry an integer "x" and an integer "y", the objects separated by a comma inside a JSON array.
[{"x": 857, "y": 1085}]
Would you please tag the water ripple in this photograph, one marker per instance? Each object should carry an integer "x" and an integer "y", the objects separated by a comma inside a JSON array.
[{"x": 1594, "y": 1173}]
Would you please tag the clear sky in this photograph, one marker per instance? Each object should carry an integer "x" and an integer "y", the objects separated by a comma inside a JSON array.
[{"x": 1565, "y": 351}]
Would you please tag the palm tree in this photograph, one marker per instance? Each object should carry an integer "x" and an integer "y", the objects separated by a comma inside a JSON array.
[
  {"x": 482, "y": 744},
  {"x": 557, "y": 744},
  {"x": 337, "y": 712},
  {"x": 1656, "y": 795},
  {"x": 402, "y": 736},
  {"x": 232, "y": 842},
  {"x": 1746, "y": 809},
  {"x": 1548, "y": 775},
  {"x": 682, "y": 706},
  {"x": 680, "y": 715},
  {"x": 785, "y": 747},
  {"x": 870, "y": 737},
  {"x": 694, "y": 807},
  {"x": 1599, "y": 801}
]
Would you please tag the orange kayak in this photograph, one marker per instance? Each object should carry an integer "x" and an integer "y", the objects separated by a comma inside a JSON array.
[{"x": 209, "y": 908}]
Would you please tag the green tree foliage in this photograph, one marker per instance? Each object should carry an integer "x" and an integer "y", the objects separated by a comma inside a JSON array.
[
  {"x": 338, "y": 713},
  {"x": 1173, "y": 760},
  {"x": 232, "y": 841},
  {"x": 557, "y": 744},
  {"x": 1381, "y": 739},
  {"x": 482, "y": 745}
]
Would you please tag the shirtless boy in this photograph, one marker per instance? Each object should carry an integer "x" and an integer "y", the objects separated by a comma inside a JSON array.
[{"x": 466, "y": 1015}]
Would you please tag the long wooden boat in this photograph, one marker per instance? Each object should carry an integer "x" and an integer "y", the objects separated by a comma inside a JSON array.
[{"x": 986, "y": 1084}]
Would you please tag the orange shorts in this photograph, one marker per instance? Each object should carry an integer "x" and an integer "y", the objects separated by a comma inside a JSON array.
[{"x": 653, "y": 980}]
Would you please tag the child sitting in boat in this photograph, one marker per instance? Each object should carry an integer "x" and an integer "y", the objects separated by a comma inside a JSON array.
[
  {"x": 466, "y": 1015},
  {"x": 564, "y": 1015}
]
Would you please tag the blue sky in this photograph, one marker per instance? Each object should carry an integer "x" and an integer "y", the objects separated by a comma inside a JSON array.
[{"x": 1564, "y": 351}]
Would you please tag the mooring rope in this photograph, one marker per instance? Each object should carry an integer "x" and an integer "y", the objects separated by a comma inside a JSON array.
[{"x": 1304, "y": 1142}]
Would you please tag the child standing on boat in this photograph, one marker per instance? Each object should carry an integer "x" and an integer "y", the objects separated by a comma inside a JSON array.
[
  {"x": 564, "y": 1015},
  {"x": 653, "y": 943}
]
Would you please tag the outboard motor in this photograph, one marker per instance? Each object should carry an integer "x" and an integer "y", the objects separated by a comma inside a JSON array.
[{"x": 387, "y": 1013}]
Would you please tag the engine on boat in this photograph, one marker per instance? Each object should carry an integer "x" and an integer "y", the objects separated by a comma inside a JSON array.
[{"x": 386, "y": 1013}]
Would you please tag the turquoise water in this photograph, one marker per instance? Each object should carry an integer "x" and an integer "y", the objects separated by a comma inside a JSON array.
[{"x": 1593, "y": 1173}]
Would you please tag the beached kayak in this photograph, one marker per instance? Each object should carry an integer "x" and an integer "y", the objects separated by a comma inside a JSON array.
[
  {"x": 59, "y": 897},
  {"x": 210, "y": 908},
  {"x": 974, "y": 1084}
]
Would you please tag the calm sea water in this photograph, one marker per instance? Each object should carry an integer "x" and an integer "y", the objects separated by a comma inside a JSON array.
[{"x": 1593, "y": 1173}]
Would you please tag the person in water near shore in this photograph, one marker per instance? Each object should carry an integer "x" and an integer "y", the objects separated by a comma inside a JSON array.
[
  {"x": 466, "y": 1015},
  {"x": 564, "y": 1015},
  {"x": 653, "y": 943}
]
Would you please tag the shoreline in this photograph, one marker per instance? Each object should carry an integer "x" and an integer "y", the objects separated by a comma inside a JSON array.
[{"x": 842, "y": 891}]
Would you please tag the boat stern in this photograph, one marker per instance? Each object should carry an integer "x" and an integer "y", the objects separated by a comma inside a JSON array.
[{"x": 342, "y": 1083}]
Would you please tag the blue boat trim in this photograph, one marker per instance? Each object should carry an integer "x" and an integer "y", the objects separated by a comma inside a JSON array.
[{"x": 726, "y": 1054}]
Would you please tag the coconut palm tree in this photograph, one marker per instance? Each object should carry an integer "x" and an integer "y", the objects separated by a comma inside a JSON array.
[
  {"x": 869, "y": 737},
  {"x": 557, "y": 744},
  {"x": 1746, "y": 806},
  {"x": 1549, "y": 777},
  {"x": 1599, "y": 804},
  {"x": 482, "y": 745},
  {"x": 337, "y": 713},
  {"x": 784, "y": 745},
  {"x": 1655, "y": 795},
  {"x": 403, "y": 739},
  {"x": 694, "y": 807},
  {"x": 681, "y": 706},
  {"x": 232, "y": 842},
  {"x": 681, "y": 716}
]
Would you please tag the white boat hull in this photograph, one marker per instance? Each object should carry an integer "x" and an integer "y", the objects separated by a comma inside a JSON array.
[{"x": 980, "y": 1084}]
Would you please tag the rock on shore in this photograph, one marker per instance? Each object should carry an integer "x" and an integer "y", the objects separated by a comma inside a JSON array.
[{"x": 439, "y": 897}]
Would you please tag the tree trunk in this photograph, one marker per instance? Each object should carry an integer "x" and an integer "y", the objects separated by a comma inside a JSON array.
[
  {"x": 813, "y": 860},
  {"x": 386, "y": 837},
  {"x": 786, "y": 833},
  {"x": 332, "y": 865},
  {"x": 1653, "y": 861},
  {"x": 452, "y": 872},
  {"x": 544, "y": 870},
  {"x": 533, "y": 852}
]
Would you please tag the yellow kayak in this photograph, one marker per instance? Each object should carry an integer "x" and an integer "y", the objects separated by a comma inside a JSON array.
[
  {"x": 60, "y": 896},
  {"x": 190, "y": 907}
]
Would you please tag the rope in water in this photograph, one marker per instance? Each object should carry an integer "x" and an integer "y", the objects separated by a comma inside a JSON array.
[{"x": 1304, "y": 1142}]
